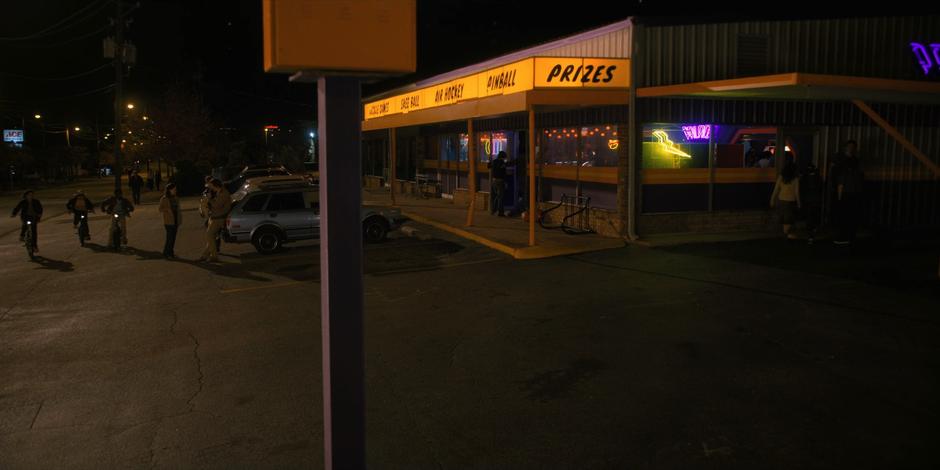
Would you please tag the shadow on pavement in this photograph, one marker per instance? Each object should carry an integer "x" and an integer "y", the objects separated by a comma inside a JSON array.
[
  {"x": 392, "y": 256},
  {"x": 222, "y": 269},
  {"x": 53, "y": 264}
]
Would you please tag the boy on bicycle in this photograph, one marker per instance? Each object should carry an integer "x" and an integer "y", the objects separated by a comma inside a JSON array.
[
  {"x": 79, "y": 206},
  {"x": 30, "y": 210},
  {"x": 121, "y": 207}
]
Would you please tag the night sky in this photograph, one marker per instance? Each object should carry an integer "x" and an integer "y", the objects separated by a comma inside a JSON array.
[{"x": 216, "y": 47}]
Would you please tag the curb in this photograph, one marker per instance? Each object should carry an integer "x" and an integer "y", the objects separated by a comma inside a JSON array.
[
  {"x": 462, "y": 233},
  {"x": 526, "y": 253}
]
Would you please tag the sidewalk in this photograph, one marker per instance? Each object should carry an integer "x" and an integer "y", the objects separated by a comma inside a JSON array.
[{"x": 509, "y": 235}]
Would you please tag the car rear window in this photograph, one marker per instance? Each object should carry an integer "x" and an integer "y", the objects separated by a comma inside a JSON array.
[
  {"x": 255, "y": 203},
  {"x": 286, "y": 202}
]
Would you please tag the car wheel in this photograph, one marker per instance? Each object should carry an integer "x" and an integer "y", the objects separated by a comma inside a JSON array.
[
  {"x": 267, "y": 240},
  {"x": 374, "y": 229}
]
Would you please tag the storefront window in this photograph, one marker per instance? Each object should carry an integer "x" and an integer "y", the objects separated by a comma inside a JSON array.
[
  {"x": 491, "y": 143},
  {"x": 599, "y": 146},
  {"x": 464, "y": 147},
  {"x": 745, "y": 146},
  {"x": 448, "y": 148},
  {"x": 676, "y": 146},
  {"x": 453, "y": 147}
]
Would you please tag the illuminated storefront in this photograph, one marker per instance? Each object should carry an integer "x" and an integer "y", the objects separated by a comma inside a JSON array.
[{"x": 700, "y": 147}]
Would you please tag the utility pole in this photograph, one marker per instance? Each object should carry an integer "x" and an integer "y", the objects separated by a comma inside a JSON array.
[{"x": 118, "y": 85}]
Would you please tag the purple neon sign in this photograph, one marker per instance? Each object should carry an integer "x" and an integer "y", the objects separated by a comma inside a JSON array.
[
  {"x": 924, "y": 57},
  {"x": 697, "y": 132}
]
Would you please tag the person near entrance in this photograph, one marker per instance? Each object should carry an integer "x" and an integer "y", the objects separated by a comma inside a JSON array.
[
  {"x": 848, "y": 180},
  {"x": 498, "y": 176},
  {"x": 787, "y": 191}
]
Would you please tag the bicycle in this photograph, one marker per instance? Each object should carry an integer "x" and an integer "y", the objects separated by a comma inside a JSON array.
[
  {"x": 116, "y": 233},
  {"x": 28, "y": 239},
  {"x": 83, "y": 229}
]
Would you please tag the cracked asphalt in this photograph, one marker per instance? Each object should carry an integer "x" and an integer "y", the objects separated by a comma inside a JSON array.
[{"x": 631, "y": 358}]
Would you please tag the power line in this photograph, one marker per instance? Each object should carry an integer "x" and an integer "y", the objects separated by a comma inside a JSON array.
[
  {"x": 58, "y": 27},
  {"x": 88, "y": 72},
  {"x": 67, "y": 41},
  {"x": 76, "y": 38},
  {"x": 79, "y": 95}
]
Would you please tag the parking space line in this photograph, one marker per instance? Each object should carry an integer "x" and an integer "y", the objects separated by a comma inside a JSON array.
[
  {"x": 378, "y": 273},
  {"x": 272, "y": 286}
]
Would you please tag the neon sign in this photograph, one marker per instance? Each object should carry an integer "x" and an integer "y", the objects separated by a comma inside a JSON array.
[
  {"x": 613, "y": 144},
  {"x": 668, "y": 145},
  {"x": 697, "y": 132},
  {"x": 924, "y": 57}
]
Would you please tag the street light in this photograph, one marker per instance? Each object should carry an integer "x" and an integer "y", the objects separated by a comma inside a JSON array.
[
  {"x": 130, "y": 105},
  {"x": 146, "y": 118},
  {"x": 77, "y": 129},
  {"x": 38, "y": 116}
]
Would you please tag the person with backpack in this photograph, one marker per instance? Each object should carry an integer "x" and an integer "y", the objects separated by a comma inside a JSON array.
[{"x": 848, "y": 180}]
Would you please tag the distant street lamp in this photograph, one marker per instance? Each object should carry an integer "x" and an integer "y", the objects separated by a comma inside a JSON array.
[
  {"x": 130, "y": 105},
  {"x": 77, "y": 129},
  {"x": 38, "y": 116}
]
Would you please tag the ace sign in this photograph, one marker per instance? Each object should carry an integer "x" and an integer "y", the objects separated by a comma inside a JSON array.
[{"x": 14, "y": 136}]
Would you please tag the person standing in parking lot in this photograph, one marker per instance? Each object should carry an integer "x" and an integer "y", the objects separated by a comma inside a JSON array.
[
  {"x": 220, "y": 204},
  {"x": 136, "y": 183}
]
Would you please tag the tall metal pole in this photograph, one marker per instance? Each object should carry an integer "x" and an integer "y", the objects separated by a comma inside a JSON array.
[
  {"x": 118, "y": 89},
  {"x": 532, "y": 199},
  {"x": 341, "y": 297}
]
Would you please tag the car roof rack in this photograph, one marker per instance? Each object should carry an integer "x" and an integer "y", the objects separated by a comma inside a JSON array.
[{"x": 268, "y": 185}]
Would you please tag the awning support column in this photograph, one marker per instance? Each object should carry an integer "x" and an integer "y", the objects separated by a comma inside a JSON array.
[
  {"x": 472, "y": 171},
  {"x": 893, "y": 132},
  {"x": 392, "y": 151}
]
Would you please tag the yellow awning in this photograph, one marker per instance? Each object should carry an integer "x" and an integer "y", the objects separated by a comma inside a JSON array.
[{"x": 501, "y": 105}]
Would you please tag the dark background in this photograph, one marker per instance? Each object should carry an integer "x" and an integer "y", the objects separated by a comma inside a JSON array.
[{"x": 215, "y": 47}]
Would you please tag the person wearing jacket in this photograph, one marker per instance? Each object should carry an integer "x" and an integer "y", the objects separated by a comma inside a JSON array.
[
  {"x": 119, "y": 205},
  {"x": 811, "y": 192},
  {"x": 79, "y": 205},
  {"x": 219, "y": 206},
  {"x": 172, "y": 219},
  {"x": 29, "y": 210}
]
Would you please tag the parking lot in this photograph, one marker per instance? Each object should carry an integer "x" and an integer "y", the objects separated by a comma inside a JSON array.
[{"x": 628, "y": 358}]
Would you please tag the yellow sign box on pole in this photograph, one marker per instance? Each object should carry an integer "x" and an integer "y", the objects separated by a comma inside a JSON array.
[{"x": 342, "y": 36}]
